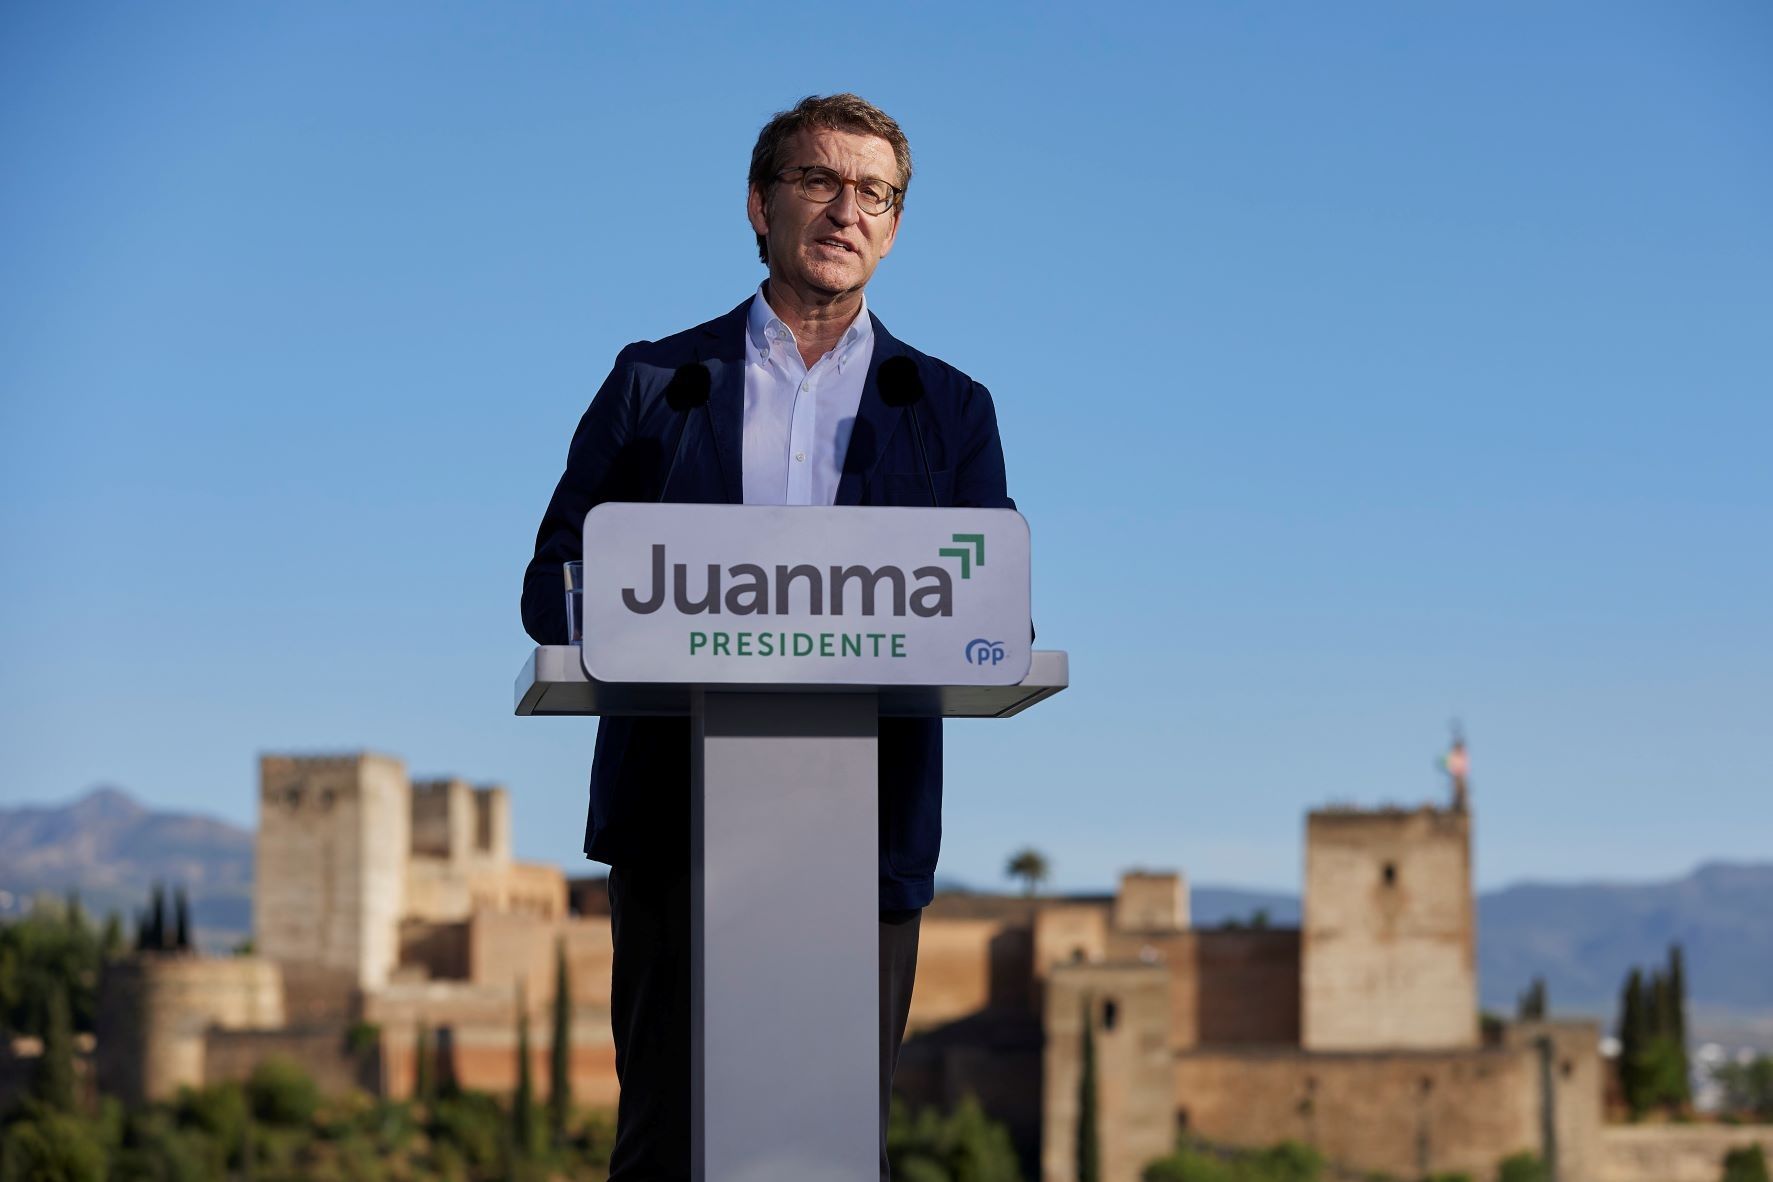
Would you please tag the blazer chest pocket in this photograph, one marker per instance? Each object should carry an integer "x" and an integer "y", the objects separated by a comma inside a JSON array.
[{"x": 911, "y": 490}]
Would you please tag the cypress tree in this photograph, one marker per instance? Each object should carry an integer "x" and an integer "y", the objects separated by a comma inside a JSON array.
[
  {"x": 157, "y": 924},
  {"x": 1656, "y": 1012},
  {"x": 423, "y": 1085},
  {"x": 1677, "y": 983},
  {"x": 560, "y": 1082},
  {"x": 1677, "y": 988},
  {"x": 54, "y": 1082},
  {"x": 1631, "y": 1043},
  {"x": 111, "y": 943},
  {"x": 1531, "y": 1005},
  {"x": 182, "y": 918},
  {"x": 448, "y": 1086},
  {"x": 1089, "y": 1148},
  {"x": 523, "y": 1105}
]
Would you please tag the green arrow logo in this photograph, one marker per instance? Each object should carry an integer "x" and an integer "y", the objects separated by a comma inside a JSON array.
[{"x": 967, "y": 557}]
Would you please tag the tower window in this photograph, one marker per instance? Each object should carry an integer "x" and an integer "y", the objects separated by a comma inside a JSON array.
[
  {"x": 1110, "y": 1012},
  {"x": 1389, "y": 874}
]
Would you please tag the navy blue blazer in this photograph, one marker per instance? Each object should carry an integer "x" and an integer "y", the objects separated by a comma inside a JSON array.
[{"x": 622, "y": 451}]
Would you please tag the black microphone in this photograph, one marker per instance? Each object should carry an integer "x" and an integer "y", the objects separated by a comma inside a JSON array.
[
  {"x": 902, "y": 386},
  {"x": 688, "y": 388}
]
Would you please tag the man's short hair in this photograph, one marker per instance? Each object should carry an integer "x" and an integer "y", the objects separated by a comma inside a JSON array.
[{"x": 835, "y": 112}]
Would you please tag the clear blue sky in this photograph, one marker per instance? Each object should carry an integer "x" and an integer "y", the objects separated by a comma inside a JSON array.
[{"x": 1377, "y": 363}]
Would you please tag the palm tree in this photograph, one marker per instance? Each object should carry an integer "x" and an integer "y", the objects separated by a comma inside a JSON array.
[{"x": 1029, "y": 865}]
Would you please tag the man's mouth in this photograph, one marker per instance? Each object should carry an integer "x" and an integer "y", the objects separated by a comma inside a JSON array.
[{"x": 838, "y": 243}]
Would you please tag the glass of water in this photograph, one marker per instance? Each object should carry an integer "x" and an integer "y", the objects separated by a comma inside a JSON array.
[{"x": 575, "y": 601}]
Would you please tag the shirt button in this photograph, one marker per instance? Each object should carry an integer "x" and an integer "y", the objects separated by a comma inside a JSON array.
[
  {"x": 800, "y": 457},
  {"x": 805, "y": 386}
]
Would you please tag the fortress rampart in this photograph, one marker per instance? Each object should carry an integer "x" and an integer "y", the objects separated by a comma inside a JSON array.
[{"x": 156, "y": 1009}]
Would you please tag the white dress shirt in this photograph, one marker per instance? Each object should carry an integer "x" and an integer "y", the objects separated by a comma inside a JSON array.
[{"x": 798, "y": 420}]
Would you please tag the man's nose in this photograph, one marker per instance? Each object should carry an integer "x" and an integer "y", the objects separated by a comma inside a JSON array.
[{"x": 843, "y": 209}]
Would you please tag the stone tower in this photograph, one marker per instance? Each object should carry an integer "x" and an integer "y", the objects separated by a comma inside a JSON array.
[
  {"x": 1128, "y": 1009},
  {"x": 331, "y": 864},
  {"x": 1389, "y": 946}
]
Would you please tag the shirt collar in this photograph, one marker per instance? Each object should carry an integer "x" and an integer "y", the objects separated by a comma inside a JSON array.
[{"x": 765, "y": 330}]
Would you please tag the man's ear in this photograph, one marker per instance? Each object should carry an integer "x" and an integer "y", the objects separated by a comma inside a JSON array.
[{"x": 757, "y": 211}]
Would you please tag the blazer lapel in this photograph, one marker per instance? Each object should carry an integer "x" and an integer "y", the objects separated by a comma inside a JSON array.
[
  {"x": 723, "y": 352},
  {"x": 875, "y": 422}
]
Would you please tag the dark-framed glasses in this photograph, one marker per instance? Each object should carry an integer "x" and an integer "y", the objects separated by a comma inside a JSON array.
[{"x": 822, "y": 185}]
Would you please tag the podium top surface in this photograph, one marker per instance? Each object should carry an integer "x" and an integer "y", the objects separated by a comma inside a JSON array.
[{"x": 554, "y": 682}]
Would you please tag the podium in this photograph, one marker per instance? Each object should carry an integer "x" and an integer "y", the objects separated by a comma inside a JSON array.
[{"x": 785, "y": 1068}]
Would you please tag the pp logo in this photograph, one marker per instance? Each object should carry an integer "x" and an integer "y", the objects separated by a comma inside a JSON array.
[{"x": 984, "y": 652}]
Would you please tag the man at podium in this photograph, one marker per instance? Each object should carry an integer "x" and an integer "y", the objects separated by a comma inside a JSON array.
[{"x": 798, "y": 396}]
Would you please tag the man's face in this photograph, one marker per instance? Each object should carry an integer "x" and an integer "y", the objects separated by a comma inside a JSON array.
[{"x": 827, "y": 249}]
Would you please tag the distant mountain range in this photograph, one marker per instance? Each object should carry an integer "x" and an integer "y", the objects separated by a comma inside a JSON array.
[
  {"x": 111, "y": 849},
  {"x": 1583, "y": 938}
]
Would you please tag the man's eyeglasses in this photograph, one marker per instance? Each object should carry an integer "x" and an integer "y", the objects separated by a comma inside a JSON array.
[{"x": 822, "y": 185}]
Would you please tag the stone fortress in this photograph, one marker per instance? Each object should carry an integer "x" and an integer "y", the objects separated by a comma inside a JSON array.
[{"x": 386, "y": 907}]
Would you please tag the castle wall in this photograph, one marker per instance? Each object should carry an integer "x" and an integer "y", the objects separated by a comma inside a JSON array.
[
  {"x": 433, "y": 951},
  {"x": 1389, "y": 954},
  {"x": 1226, "y": 986},
  {"x": 512, "y": 948},
  {"x": 318, "y": 995},
  {"x": 1404, "y": 1113},
  {"x": 1128, "y": 1007},
  {"x": 954, "y": 971},
  {"x": 323, "y": 1053},
  {"x": 155, "y": 1010},
  {"x": 1672, "y": 1153},
  {"x": 437, "y": 891},
  {"x": 475, "y": 1027},
  {"x": 1247, "y": 986},
  {"x": 529, "y": 887}
]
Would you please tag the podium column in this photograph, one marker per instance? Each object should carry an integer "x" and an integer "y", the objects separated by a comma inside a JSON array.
[{"x": 784, "y": 926}]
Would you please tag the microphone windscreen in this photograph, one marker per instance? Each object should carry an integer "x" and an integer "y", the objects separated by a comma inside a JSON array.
[
  {"x": 689, "y": 387},
  {"x": 900, "y": 383}
]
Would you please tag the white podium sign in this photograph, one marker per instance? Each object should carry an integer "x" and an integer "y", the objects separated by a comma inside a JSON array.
[{"x": 806, "y": 595}]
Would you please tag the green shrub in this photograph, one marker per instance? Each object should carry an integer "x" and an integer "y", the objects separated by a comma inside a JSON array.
[
  {"x": 1449, "y": 1176},
  {"x": 1521, "y": 1167},
  {"x": 219, "y": 1111},
  {"x": 1191, "y": 1165},
  {"x": 1745, "y": 1164},
  {"x": 155, "y": 1149},
  {"x": 1289, "y": 1161},
  {"x": 917, "y": 1168},
  {"x": 362, "y": 1038},
  {"x": 51, "y": 1147},
  {"x": 965, "y": 1146},
  {"x": 473, "y": 1124},
  {"x": 281, "y": 1093}
]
